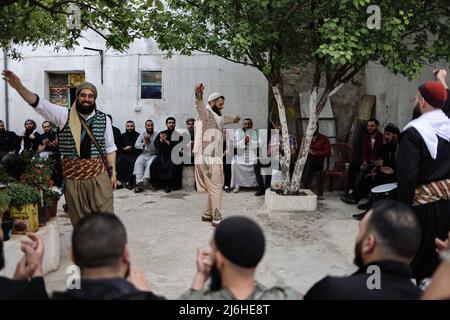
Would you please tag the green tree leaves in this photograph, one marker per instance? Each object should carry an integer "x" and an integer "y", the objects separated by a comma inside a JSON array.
[{"x": 44, "y": 22}]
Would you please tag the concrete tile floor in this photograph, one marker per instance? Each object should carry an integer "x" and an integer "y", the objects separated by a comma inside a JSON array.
[{"x": 164, "y": 231}]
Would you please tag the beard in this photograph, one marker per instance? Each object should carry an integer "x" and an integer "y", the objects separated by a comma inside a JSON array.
[
  {"x": 85, "y": 109},
  {"x": 216, "y": 279},
  {"x": 130, "y": 130},
  {"x": 2, "y": 255},
  {"x": 2, "y": 130},
  {"x": 416, "y": 111},
  {"x": 358, "y": 260},
  {"x": 149, "y": 131},
  {"x": 216, "y": 110}
]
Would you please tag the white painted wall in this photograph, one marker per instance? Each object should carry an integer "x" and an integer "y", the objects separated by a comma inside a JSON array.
[
  {"x": 394, "y": 91},
  {"x": 244, "y": 88}
]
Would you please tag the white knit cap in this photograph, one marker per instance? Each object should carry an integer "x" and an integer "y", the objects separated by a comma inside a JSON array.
[{"x": 214, "y": 96}]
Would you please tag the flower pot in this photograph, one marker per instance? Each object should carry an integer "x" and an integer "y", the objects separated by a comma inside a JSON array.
[
  {"x": 52, "y": 210},
  {"x": 43, "y": 216},
  {"x": 7, "y": 226},
  {"x": 26, "y": 218}
]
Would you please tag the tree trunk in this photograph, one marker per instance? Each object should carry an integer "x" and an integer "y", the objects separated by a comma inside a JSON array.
[
  {"x": 306, "y": 142},
  {"x": 315, "y": 108},
  {"x": 285, "y": 160}
]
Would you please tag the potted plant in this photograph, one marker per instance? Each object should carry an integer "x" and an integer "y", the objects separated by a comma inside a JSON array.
[
  {"x": 51, "y": 198},
  {"x": 7, "y": 222},
  {"x": 38, "y": 174},
  {"x": 23, "y": 207}
]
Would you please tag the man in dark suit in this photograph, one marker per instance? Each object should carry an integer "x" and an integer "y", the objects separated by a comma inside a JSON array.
[{"x": 388, "y": 239}]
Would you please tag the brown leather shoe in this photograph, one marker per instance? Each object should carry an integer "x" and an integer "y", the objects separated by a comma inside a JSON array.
[
  {"x": 216, "y": 218},
  {"x": 207, "y": 218}
]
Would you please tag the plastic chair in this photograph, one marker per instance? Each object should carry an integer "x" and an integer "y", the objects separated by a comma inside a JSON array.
[{"x": 343, "y": 153}]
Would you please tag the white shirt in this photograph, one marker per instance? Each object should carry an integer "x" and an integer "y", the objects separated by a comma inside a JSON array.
[
  {"x": 58, "y": 115},
  {"x": 247, "y": 153}
]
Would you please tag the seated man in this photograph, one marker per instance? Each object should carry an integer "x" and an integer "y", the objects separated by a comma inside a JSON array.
[
  {"x": 100, "y": 250},
  {"x": 319, "y": 149},
  {"x": 28, "y": 281},
  {"x": 29, "y": 141},
  {"x": 244, "y": 168},
  {"x": 383, "y": 172},
  {"x": 237, "y": 247},
  {"x": 13, "y": 164},
  {"x": 48, "y": 147},
  {"x": 371, "y": 145},
  {"x": 128, "y": 156},
  {"x": 163, "y": 171},
  {"x": 145, "y": 142},
  {"x": 228, "y": 154},
  {"x": 48, "y": 141},
  {"x": 387, "y": 241},
  {"x": 8, "y": 140},
  {"x": 190, "y": 125}
]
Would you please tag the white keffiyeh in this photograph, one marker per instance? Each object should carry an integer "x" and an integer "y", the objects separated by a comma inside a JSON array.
[{"x": 430, "y": 125}]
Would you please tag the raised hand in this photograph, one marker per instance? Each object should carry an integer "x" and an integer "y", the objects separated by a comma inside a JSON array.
[
  {"x": 199, "y": 88},
  {"x": 441, "y": 75},
  {"x": 11, "y": 78}
]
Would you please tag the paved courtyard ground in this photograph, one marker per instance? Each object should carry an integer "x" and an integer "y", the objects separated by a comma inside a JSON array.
[{"x": 164, "y": 231}]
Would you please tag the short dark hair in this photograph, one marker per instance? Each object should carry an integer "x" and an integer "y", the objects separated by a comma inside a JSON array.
[
  {"x": 248, "y": 119},
  {"x": 148, "y": 120},
  {"x": 189, "y": 120},
  {"x": 46, "y": 121},
  {"x": 373, "y": 120},
  {"x": 170, "y": 118},
  {"x": 98, "y": 240},
  {"x": 32, "y": 121},
  {"x": 396, "y": 228},
  {"x": 130, "y": 121}
]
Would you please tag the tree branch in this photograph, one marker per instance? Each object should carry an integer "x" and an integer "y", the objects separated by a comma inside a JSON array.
[
  {"x": 226, "y": 58},
  {"x": 96, "y": 31}
]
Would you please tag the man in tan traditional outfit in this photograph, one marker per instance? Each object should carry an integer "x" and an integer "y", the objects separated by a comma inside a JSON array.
[
  {"x": 88, "y": 188},
  {"x": 208, "y": 151}
]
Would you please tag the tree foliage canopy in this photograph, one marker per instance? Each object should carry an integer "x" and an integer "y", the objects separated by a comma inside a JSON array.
[{"x": 45, "y": 22}]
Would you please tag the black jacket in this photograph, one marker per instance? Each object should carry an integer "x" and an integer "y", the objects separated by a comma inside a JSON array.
[
  {"x": 106, "y": 289},
  {"x": 129, "y": 139},
  {"x": 23, "y": 289},
  {"x": 395, "y": 282},
  {"x": 117, "y": 138},
  {"x": 415, "y": 165},
  {"x": 387, "y": 153}
]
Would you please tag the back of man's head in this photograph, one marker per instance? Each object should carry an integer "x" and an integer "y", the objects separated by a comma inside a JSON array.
[
  {"x": 98, "y": 240},
  {"x": 241, "y": 241},
  {"x": 396, "y": 229}
]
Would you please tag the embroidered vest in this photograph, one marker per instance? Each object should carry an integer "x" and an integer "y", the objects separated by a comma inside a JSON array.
[{"x": 98, "y": 127}]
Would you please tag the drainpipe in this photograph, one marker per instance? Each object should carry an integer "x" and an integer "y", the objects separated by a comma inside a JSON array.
[{"x": 5, "y": 66}]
